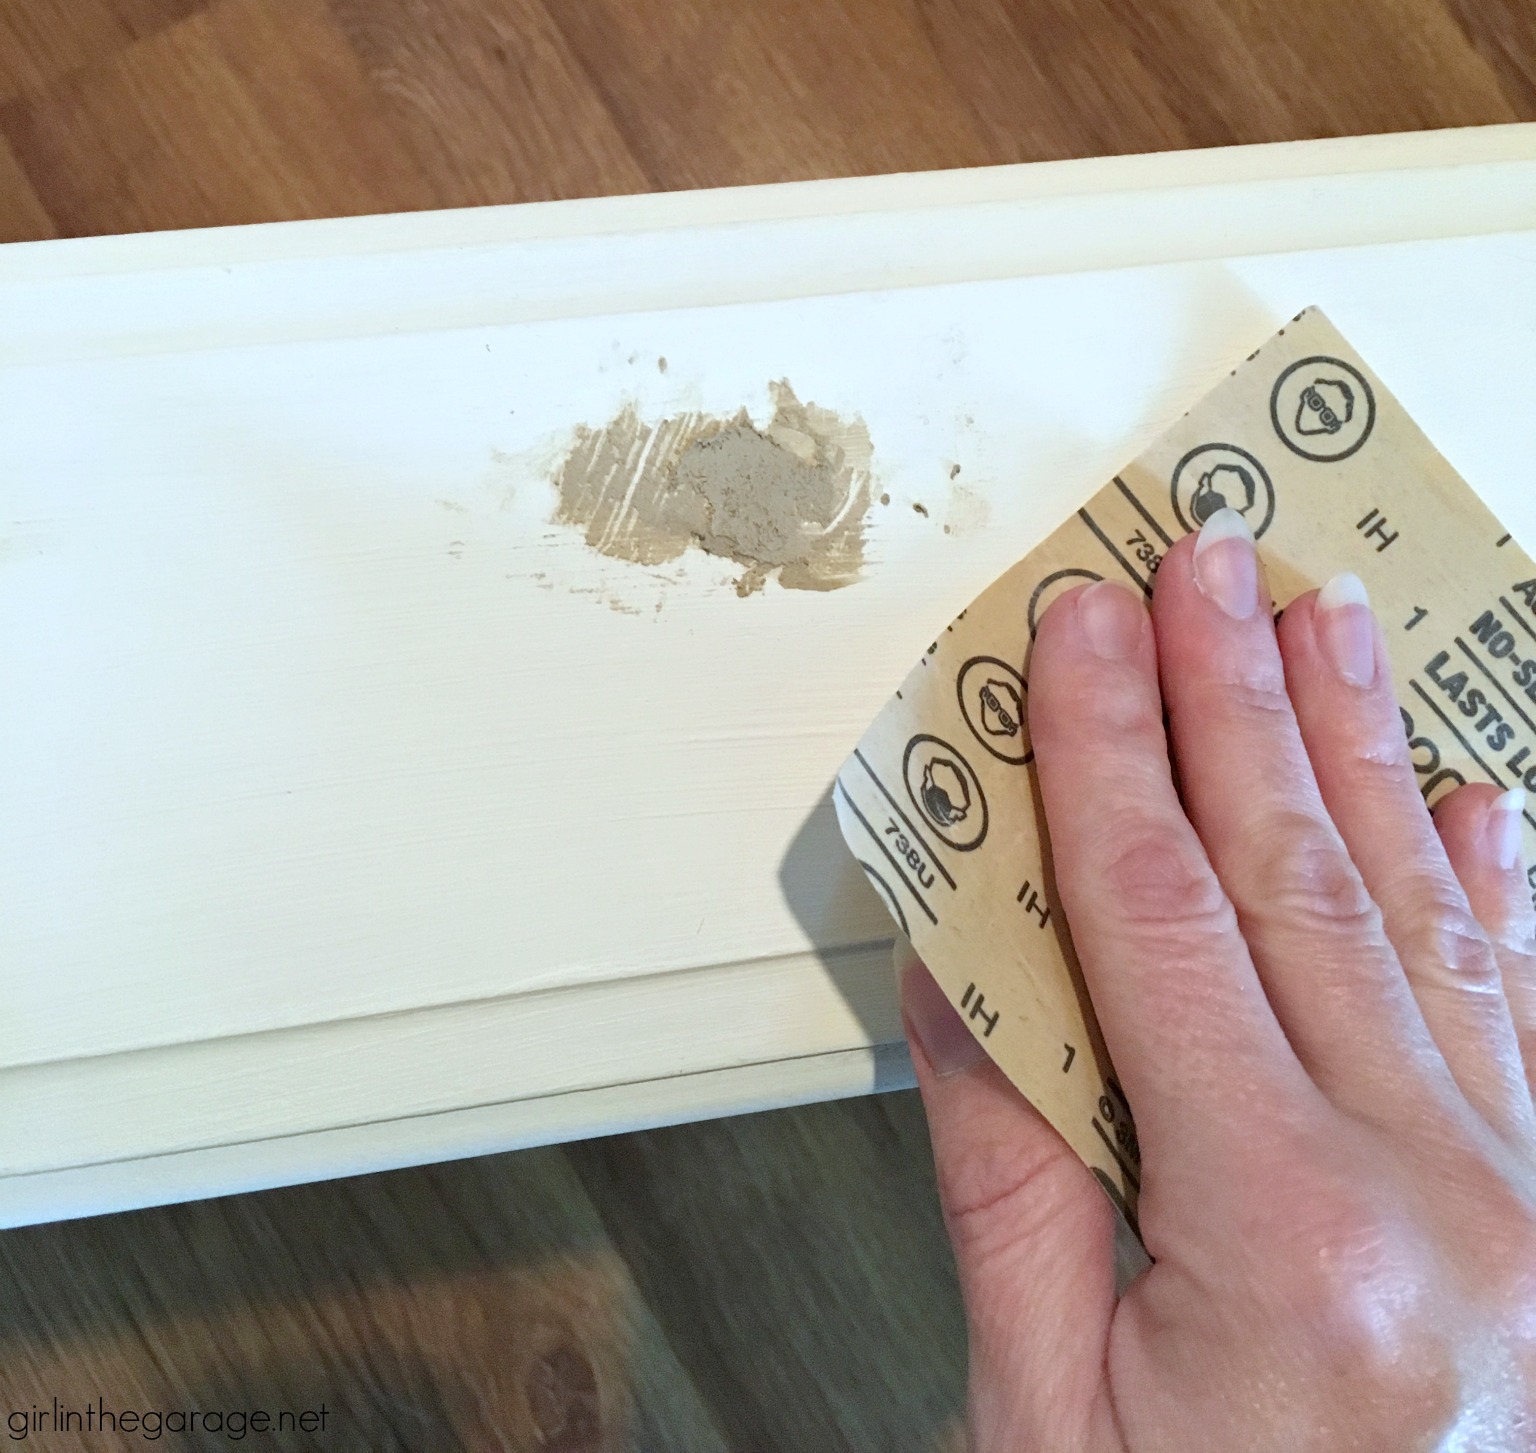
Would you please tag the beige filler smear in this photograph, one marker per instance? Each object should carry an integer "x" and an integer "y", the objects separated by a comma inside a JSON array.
[
  {"x": 938, "y": 802},
  {"x": 789, "y": 498}
]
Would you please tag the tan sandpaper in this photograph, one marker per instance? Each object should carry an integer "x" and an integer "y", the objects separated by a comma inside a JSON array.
[{"x": 939, "y": 801}]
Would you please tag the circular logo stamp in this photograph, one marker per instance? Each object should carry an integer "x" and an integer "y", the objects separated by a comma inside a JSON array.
[
  {"x": 1222, "y": 476},
  {"x": 946, "y": 791},
  {"x": 1054, "y": 584},
  {"x": 992, "y": 702},
  {"x": 1322, "y": 409}
]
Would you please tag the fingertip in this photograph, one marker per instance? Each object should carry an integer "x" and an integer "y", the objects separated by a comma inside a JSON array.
[
  {"x": 1224, "y": 565},
  {"x": 934, "y": 1026},
  {"x": 970, "y": 1102},
  {"x": 1335, "y": 632},
  {"x": 1482, "y": 826},
  {"x": 1058, "y": 616},
  {"x": 1341, "y": 590},
  {"x": 1345, "y": 628},
  {"x": 1340, "y": 680},
  {"x": 1483, "y": 832},
  {"x": 1459, "y": 810},
  {"x": 1065, "y": 620},
  {"x": 1210, "y": 590},
  {"x": 1092, "y": 672},
  {"x": 1111, "y": 619}
]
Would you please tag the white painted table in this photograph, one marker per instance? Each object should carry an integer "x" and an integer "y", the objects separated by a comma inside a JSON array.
[{"x": 353, "y": 814}]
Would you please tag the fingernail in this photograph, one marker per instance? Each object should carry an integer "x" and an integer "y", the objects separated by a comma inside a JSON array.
[
  {"x": 1112, "y": 619},
  {"x": 1506, "y": 827},
  {"x": 931, "y": 1019},
  {"x": 1346, "y": 630},
  {"x": 1226, "y": 565}
]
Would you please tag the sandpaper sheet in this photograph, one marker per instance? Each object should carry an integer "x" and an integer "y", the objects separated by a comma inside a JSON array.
[{"x": 939, "y": 803}]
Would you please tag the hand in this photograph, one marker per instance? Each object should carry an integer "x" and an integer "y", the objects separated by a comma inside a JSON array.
[{"x": 1316, "y": 997}]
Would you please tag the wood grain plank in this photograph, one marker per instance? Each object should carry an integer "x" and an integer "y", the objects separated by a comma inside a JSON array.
[
  {"x": 798, "y": 1264},
  {"x": 1253, "y": 72},
  {"x": 490, "y": 99},
  {"x": 478, "y": 1307},
  {"x": 1052, "y": 80},
  {"x": 22, "y": 216},
  {"x": 44, "y": 40},
  {"x": 1505, "y": 36},
  {"x": 709, "y": 94},
  {"x": 1057, "y": 78},
  {"x": 250, "y": 111}
]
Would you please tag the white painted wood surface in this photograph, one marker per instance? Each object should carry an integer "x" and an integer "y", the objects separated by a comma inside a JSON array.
[{"x": 353, "y": 814}]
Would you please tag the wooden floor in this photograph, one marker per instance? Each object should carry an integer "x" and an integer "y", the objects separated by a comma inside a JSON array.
[
  {"x": 118, "y": 115},
  {"x": 773, "y": 1283}
]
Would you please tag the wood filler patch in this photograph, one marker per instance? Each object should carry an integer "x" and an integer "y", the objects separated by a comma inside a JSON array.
[
  {"x": 939, "y": 803},
  {"x": 788, "y": 500}
]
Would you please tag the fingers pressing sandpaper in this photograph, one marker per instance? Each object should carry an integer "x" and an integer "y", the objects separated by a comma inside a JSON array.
[{"x": 939, "y": 804}]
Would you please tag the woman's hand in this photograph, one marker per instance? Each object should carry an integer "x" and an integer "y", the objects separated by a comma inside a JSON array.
[{"x": 1316, "y": 998}]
